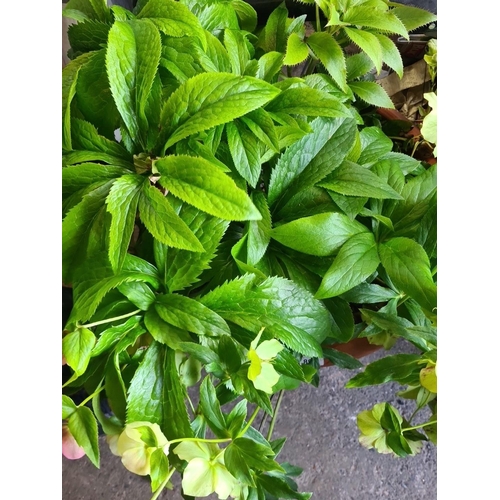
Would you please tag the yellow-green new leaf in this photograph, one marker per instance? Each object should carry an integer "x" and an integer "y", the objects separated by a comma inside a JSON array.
[
  {"x": 372, "y": 93},
  {"x": 203, "y": 185},
  {"x": 296, "y": 50}
]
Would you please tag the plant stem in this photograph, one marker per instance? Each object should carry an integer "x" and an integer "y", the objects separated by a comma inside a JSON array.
[
  {"x": 86, "y": 400},
  {"x": 275, "y": 414},
  {"x": 201, "y": 440},
  {"x": 110, "y": 320},
  {"x": 252, "y": 418},
  {"x": 162, "y": 485},
  {"x": 418, "y": 426},
  {"x": 318, "y": 25}
]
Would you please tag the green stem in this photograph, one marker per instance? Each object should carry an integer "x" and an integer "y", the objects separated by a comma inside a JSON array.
[
  {"x": 318, "y": 24},
  {"x": 110, "y": 320},
  {"x": 275, "y": 414},
  {"x": 252, "y": 418},
  {"x": 201, "y": 440},
  {"x": 418, "y": 426},
  {"x": 86, "y": 400},
  {"x": 162, "y": 485}
]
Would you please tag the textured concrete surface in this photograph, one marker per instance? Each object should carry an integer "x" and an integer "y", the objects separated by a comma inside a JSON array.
[{"x": 322, "y": 439}]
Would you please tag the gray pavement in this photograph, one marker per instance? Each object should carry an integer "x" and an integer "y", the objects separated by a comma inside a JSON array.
[{"x": 322, "y": 439}]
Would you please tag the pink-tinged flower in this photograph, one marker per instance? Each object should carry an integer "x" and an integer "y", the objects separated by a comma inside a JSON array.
[{"x": 70, "y": 448}]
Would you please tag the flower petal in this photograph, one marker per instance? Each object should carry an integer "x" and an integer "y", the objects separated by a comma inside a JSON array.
[
  {"x": 267, "y": 378},
  {"x": 269, "y": 349},
  {"x": 70, "y": 448},
  {"x": 137, "y": 460},
  {"x": 198, "y": 478},
  {"x": 188, "y": 450}
]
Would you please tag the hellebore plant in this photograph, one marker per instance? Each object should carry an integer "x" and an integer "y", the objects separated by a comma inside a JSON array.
[{"x": 225, "y": 223}]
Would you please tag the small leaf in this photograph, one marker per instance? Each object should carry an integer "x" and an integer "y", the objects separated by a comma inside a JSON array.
[
  {"x": 372, "y": 93},
  {"x": 159, "y": 468},
  {"x": 296, "y": 50},
  {"x": 413, "y": 17},
  {"x": 68, "y": 407},
  {"x": 76, "y": 348},
  {"x": 368, "y": 43},
  {"x": 210, "y": 407}
]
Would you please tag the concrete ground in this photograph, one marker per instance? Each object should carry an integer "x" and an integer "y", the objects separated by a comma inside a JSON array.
[{"x": 322, "y": 439}]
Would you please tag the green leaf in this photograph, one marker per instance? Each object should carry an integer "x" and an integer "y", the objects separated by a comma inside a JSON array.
[
  {"x": 122, "y": 205},
  {"x": 372, "y": 93},
  {"x": 331, "y": 55},
  {"x": 262, "y": 126},
  {"x": 93, "y": 94},
  {"x": 164, "y": 332},
  {"x": 390, "y": 54},
  {"x": 247, "y": 16},
  {"x": 159, "y": 468},
  {"x": 234, "y": 41},
  {"x": 368, "y": 43},
  {"x": 86, "y": 137},
  {"x": 361, "y": 15},
  {"x": 256, "y": 455},
  {"x": 210, "y": 407},
  {"x": 229, "y": 354},
  {"x": 203, "y": 185},
  {"x": 175, "y": 416},
  {"x": 83, "y": 175},
  {"x": 413, "y": 17},
  {"x": 311, "y": 158},
  {"x": 369, "y": 293},
  {"x": 189, "y": 314},
  {"x": 90, "y": 9},
  {"x": 270, "y": 65},
  {"x": 83, "y": 426},
  {"x": 70, "y": 77},
  {"x": 343, "y": 319},
  {"x": 144, "y": 400},
  {"x": 200, "y": 352},
  {"x": 374, "y": 145},
  {"x": 341, "y": 359},
  {"x": 309, "y": 102},
  {"x": 215, "y": 58},
  {"x": 402, "y": 368},
  {"x": 245, "y": 152},
  {"x": 163, "y": 223},
  {"x": 172, "y": 18},
  {"x": 207, "y": 100},
  {"x": 279, "y": 487},
  {"x": 296, "y": 50},
  {"x": 236, "y": 418},
  {"x": 68, "y": 407},
  {"x": 259, "y": 232},
  {"x": 286, "y": 364},
  {"x": 180, "y": 57},
  {"x": 358, "y": 65},
  {"x": 356, "y": 260},
  {"x": 109, "y": 337},
  {"x": 274, "y": 304},
  {"x": 351, "y": 179},
  {"x": 76, "y": 348},
  {"x": 319, "y": 234},
  {"x": 273, "y": 35},
  {"x": 408, "y": 266}
]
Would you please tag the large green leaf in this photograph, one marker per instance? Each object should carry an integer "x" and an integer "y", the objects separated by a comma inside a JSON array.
[
  {"x": 203, "y": 185},
  {"x": 368, "y": 43},
  {"x": 270, "y": 65},
  {"x": 408, "y": 266},
  {"x": 356, "y": 260},
  {"x": 273, "y": 35},
  {"x": 262, "y": 126},
  {"x": 215, "y": 57},
  {"x": 210, "y": 407},
  {"x": 189, "y": 314},
  {"x": 351, "y": 179},
  {"x": 88, "y": 9},
  {"x": 83, "y": 426},
  {"x": 374, "y": 145},
  {"x": 390, "y": 54},
  {"x": 165, "y": 332},
  {"x": 144, "y": 400},
  {"x": 288, "y": 311},
  {"x": 238, "y": 53},
  {"x": 163, "y": 223},
  {"x": 77, "y": 347},
  {"x": 87, "y": 36},
  {"x": 122, "y": 205},
  {"x": 259, "y": 232},
  {"x": 132, "y": 57},
  {"x": 309, "y": 102},
  {"x": 312, "y": 158},
  {"x": 319, "y": 234},
  {"x": 69, "y": 79},
  {"x": 331, "y": 55},
  {"x": 207, "y": 100},
  {"x": 180, "y": 57}
]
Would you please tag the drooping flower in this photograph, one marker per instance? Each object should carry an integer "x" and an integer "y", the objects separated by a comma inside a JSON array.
[
  {"x": 70, "y": 448},
  {"x": 261, "y": 371},
  {"x": 373, "y": 434},
  {"x": 206, "y": 472},
  {"x": 135, "y": 445}
]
